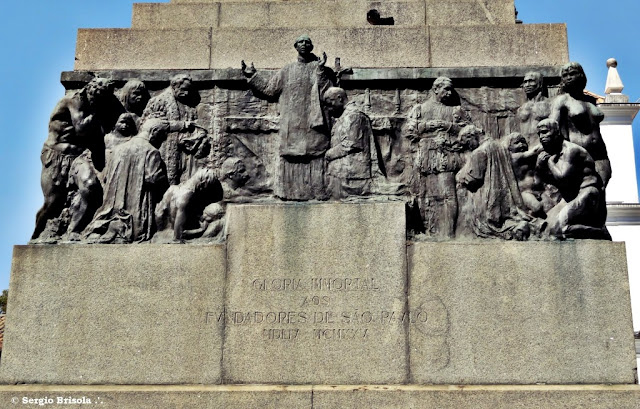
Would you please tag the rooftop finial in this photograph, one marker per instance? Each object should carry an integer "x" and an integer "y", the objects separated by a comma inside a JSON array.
[{"x": 614, "y": 83}]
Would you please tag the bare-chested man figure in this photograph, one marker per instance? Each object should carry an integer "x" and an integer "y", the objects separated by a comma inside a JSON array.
[
  {"x": 535, "y": 109},
  {"x": 78, "y": 122},
  {"x": 582, "y": 212},
  {"x": 182, "y": 205}
]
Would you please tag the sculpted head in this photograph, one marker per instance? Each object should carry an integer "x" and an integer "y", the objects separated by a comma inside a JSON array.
[
  {"x": 443, "y": 90},
  {"x": 181, "y": 85},
  {"x": 126, "y": 125},
  {"x": 303, "y": 45},
  {"x": 458, "y": 114},
  {"x": 532, "y": 84},
  {"x": 214, "y": 211},
  {"x": 134, "y": 96},
  {"x": 573, "y": 78},
  {"x": 470, "y": 137},
  {"x": 549, "y": 134},
  {"x": 335, "y": 100},
  {"x": 98, "y": 89},
  {"x": 234, "y": 170},
  {"x": 155, "y": 130},
  {"x": 516, "y": 143}
]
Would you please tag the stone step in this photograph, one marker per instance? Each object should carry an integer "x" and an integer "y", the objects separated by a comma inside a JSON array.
[
  {"x": 374, "y": 46},
  {"x": 317, "y": 14},
  {"x": 324, "y": 397}
]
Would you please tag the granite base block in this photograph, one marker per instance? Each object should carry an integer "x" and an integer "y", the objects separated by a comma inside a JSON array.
[
  {"x": 113, "y": 314},
  {"x": 314, "y": 294},
  {"x": 521, "y": 313},
  {"x": 320, "y": 294}
]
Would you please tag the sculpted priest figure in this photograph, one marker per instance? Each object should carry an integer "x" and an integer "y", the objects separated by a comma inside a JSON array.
[
  {"x": 349, "y": 158},
  {"x": 304, "y": 132}
]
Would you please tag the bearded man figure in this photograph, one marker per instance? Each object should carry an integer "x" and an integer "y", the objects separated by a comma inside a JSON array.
[
  {"x": 434, "y": 126},
  {"x": 78, "y": 123},
  {"x": 186, "y": 142}
]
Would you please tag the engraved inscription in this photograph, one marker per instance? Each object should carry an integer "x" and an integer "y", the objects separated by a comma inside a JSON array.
[
  {"x": 316, "y": 284},
  {"x": 321, "y": 313}
]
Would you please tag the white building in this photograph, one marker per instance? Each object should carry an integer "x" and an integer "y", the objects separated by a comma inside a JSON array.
[{"x": 623, "y": 206}]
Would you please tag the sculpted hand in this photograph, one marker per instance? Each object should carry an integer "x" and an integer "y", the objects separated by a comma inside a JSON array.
[
  {"x": 328, "y": 156},
  {"x": 542, "y": 159},
  {"x": 538, "y": 149},
  {"x": 463, "y": 178},
  {"x": 248, "y": 71},
  {"x": 189, "y": 126},
  {"x": 434, "y": 124},
  {"x": 323, "y": 59},
  {"x": 87, "y": 120},
  {"x": 68, "y": 130},
  {"x": 440, "y": 140}
]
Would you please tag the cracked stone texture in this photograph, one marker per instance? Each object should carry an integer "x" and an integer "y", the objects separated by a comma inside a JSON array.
[
  {"x": 499, "y": 45},
  {"x": 356, "y": 47}
]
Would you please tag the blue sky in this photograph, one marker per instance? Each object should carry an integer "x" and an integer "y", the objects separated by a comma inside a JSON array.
[{"x": 38, "y": 43}]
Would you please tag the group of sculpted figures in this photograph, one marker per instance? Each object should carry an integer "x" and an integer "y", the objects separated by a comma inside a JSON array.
[{"x": 122, "y": 167}]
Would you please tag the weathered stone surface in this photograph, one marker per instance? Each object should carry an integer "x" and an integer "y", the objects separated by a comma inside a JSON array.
[
  {"x": 329, "y": 13},
  {"x": 329, "y": 397},
  {"x": 348, "y": 14},
  {"x": 174, "y": 16},
  {"x": 469, "y": 12},
  {"x": 315, "y": 294},
  {"x": 115, "y": 314},
  {"x": 479, "y": 397},
  {"x": 521, "y": 313},
  {"x": 320, "y": 14},
  {"x": 374, "y": 46},
  {"x": 148, "y": 49},
  {"x": 367, "y": 47},
  {"x": 499, "y": 45}
]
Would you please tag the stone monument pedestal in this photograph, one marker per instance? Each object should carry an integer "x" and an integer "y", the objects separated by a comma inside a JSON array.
[{"x": 321, "y": 306}]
